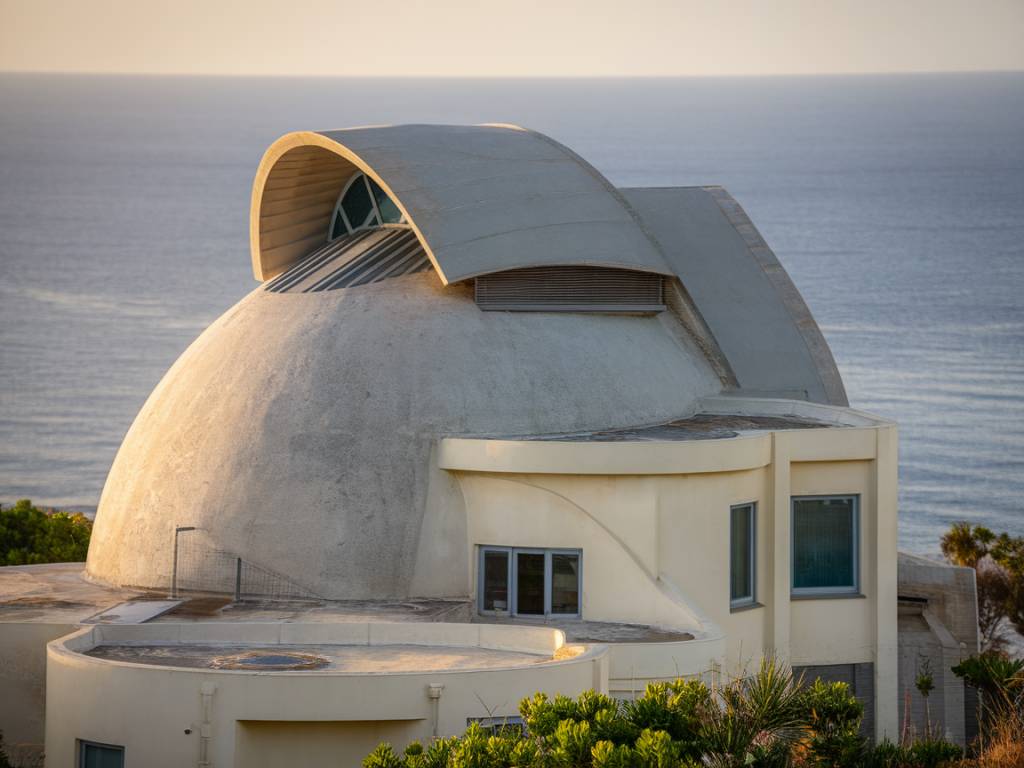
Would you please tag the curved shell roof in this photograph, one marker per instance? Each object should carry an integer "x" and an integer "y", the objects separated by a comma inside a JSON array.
[{"x": 481, "y": 199}]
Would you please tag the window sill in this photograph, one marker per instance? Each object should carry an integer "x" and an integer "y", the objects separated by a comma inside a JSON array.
[
  {"x": 830, "y": 596},
  {"x": 745, "y": 607}
]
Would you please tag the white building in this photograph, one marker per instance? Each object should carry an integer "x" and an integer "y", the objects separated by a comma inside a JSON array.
[{"x": 488, "y": 425}]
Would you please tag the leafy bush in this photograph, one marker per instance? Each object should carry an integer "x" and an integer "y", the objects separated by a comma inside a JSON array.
[
  {"x": 29, "y": 535},
  {"x": 933, "y": 753},
  {"x": 769, "y": 720},
  {"x": 834, "y": 717},
  {"x": 994, "y": 674}
]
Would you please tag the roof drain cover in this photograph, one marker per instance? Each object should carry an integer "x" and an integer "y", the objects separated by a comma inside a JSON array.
[{"x": 269, "y": 661}]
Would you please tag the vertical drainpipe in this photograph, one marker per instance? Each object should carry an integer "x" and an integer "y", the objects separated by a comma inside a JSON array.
[
  {"x": 434, "y": 694},
  {"x": 206, "y": 726}
]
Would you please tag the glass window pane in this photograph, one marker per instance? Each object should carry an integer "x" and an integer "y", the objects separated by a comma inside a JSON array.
[
  {"x": 357, "y": 204},
  {"x": 338, "y": 228},
  {"x": 495, "y": 581},
  {"x": 824, "y": 543},
  {"x": 741, "y": 576},
  {"x": 388, "y": 210},
  {"x": 98, "y": 756},
  {"x": 530, "y": 583},
  {"x": 565, "y": 583}
]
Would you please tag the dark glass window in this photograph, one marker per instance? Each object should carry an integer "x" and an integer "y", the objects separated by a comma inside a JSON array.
[
  {"x": 495, "y": 580},
  {"x": 565, "y": 583},
  {"x": 825, "y": 544},
  {"x": 357, "y": 205},
  {"x": 92, "y": 755},
  {"x": 365, "y": 204},
  {"x": 338, "y": 228},
  {"x": 530, "y": 583},
  {"x": 389, "y": 213},
  {"x": 741, "y": 554}
]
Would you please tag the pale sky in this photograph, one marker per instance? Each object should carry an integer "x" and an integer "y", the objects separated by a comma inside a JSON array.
[{"x": 463, "y": 38}]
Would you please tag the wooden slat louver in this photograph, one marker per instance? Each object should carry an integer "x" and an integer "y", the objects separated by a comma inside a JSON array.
[{"x": 570, "y": 289}]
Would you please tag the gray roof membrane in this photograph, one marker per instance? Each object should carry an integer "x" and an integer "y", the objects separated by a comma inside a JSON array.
[
  {"x": 745, "y": 296},
  {"x": 491, "y": 198}
]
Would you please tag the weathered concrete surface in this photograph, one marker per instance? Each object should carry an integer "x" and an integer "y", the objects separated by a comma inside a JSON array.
[
  {"x": 38, "y": 603},
  {"x": 749, "y": 303},
  {"x": 298, "y": 429},
  {"x": 938, "y": 627},
  {"x": 343, "y": 658}
]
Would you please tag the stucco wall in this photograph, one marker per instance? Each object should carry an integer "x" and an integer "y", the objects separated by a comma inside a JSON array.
[
  {"x": 147, "y": 709},
  {"x": 22, "y": 687},
  {"x": 656, "y": 543}
]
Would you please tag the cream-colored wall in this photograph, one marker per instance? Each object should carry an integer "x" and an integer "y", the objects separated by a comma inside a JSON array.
[
  {"x": 656, "y": 543},
  {"x": 283, "y": 744},
  {"x": 637, "y": 531},
  {"x": 147, "y": 709},
  {"x": 614, "y": 520},
  {"x": 694, "y": 545},
  {"x": 22, "y": 687},
  {"x": 850, "y": 621}
]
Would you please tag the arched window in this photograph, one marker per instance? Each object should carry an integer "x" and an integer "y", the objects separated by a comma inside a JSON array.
[{"x": 362, "y": 204}]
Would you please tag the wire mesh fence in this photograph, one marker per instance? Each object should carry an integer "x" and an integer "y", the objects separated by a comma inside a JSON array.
[{"x": 201, "y": 566}]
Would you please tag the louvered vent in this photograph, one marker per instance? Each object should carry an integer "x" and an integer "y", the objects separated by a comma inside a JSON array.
[{"x": 570, "y": 289}]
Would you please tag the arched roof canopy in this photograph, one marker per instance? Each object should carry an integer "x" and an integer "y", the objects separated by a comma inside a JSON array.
[{"x": 481, "y": 199}]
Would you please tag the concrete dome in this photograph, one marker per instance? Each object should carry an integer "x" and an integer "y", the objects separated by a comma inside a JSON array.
[{"x": 298, "y": 430}]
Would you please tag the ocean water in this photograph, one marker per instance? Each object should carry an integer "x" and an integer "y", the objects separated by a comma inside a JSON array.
[{"x": 896, "y": 203}]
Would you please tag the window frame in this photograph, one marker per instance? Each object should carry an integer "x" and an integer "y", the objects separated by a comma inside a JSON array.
[
  {"x": 825, "y": 592},
  {"x": 83, "y": 743},
  {"x": 480, "y": 580},
  {"x": 494, "y": 724},
  {"x": 339, "y": 210},
  {"x": 513, "y": 575},
  {"x": 751, "y": 599}
]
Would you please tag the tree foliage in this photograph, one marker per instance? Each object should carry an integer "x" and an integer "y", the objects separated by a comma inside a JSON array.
[
  {"x": 29, "y": 535},
  {"x": 998, "y": 562}
]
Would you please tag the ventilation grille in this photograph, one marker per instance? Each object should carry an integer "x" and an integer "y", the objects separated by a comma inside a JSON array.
[{"x": 570, "y": 289}]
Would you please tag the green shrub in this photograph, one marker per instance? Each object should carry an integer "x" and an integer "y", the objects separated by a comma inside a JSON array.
[
  {"x": 887, "y": 755},
  {"x": 834, "y": 717},
  {"x": 933, "y": 753},
  {"x": 29, "y": 536},
  {"x": 769, "y": 720}
]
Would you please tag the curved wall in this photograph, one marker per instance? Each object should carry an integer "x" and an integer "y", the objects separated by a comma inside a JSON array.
[{"x": 156, "y": 712}]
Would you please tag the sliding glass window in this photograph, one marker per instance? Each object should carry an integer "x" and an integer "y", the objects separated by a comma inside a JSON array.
[
  {"x": 742, "y": 554},
  {"x": 529, "y": 582},
  {"x": 826, "y": 545}
]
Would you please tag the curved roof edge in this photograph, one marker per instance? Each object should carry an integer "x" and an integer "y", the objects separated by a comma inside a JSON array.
[
  {"x": 751, "y": 306},
  {"x": 481, "y": 199}
]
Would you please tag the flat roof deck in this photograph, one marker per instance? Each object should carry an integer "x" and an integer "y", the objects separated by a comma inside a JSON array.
[
  {"x": 703, "y": 426},
  {"x": 340, "y": 658},
  {"x": 59, "y": 594},
  {"x": 579, "y": 631}
]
